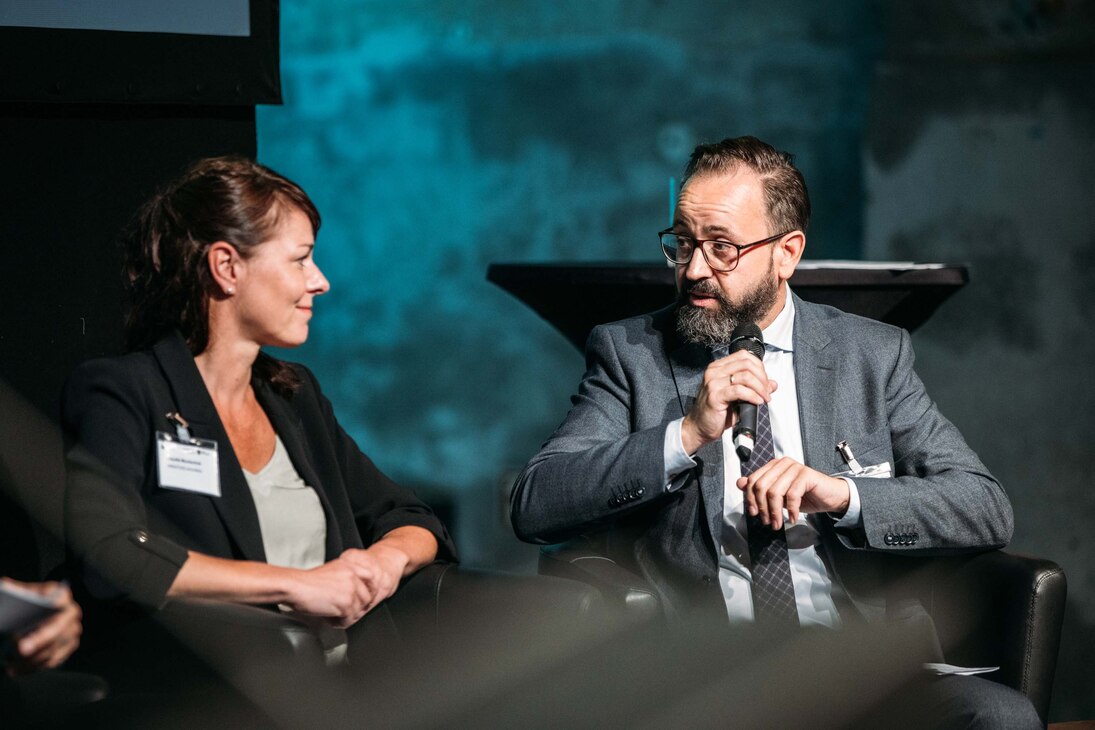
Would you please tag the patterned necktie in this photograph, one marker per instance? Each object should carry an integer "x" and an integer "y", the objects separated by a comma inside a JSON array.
[{"x": 773, "y": 591}]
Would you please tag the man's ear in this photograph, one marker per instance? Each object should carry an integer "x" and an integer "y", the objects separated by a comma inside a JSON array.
[
  {"x": 224, "y": 264},
  {"x": 788, "y": 252}
]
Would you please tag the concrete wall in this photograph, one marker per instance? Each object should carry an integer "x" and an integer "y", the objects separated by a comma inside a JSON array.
[
  {"x": 980, "y": 149},
  {"x": 438, "y": 137}
]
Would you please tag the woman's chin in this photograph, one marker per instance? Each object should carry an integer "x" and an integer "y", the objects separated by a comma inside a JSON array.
[{"x": 287, "y": 343}]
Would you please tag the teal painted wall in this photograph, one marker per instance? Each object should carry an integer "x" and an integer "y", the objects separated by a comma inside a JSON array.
[{"x": 438, "y": 137}]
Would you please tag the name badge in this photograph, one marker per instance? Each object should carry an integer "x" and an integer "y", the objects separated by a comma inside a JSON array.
[{"x": 189, "y": 465}]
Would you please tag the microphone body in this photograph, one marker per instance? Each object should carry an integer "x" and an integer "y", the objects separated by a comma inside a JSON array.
[{"x": 746, "y": 336}]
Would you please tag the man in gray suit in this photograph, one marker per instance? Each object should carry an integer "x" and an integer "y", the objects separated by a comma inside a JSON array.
[{"x": 645, "y": 459}]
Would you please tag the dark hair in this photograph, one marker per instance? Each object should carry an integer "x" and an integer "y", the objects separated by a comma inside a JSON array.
[
  {"x": 229, "y": 199},
  {"x": 784, "y": 187}
]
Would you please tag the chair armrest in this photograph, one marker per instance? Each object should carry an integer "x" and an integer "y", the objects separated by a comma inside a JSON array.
[
  {"x": 997, "y": 608},
  {"x": 192, "y": 642},
  {"x": 198, "y": 662},
  {"x": 236, "y": 633},
  {"x": 442, "y": 602},
  {"x": 624, "y": 592},
  {"x": 49, "y": 698}
]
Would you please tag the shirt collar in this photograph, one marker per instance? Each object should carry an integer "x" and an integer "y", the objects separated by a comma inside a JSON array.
[{"x": 780, "y": 334}]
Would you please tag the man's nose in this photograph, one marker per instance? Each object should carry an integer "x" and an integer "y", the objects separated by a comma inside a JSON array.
[{"x": 697, "y": 268}]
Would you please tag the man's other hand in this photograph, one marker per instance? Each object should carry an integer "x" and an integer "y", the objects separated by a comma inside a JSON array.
[{"x": 786, "y": 484}]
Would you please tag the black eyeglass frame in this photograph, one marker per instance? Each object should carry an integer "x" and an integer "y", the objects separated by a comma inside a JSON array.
[{"x": 699, "y": 246}]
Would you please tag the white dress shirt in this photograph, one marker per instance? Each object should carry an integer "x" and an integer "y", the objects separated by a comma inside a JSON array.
[{"x": 813, "y": 586}]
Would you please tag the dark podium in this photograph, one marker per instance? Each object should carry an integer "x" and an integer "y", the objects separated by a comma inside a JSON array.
[{"x": 577, "y": 296}]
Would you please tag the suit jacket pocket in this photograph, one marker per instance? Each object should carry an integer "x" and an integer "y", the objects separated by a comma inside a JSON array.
[{"x": 868, "y": 449}]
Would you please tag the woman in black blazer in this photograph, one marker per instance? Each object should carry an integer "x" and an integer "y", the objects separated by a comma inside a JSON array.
[{"x": 220, "y": 264}]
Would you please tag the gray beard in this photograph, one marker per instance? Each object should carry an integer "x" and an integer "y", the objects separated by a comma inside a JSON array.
[{"x": 714, "y": 328}]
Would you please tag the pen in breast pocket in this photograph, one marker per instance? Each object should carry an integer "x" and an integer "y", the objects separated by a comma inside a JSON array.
[{"x": 849, "y": 458}]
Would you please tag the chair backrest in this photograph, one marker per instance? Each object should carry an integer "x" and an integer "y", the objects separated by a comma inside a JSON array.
[
  {"x": 989, "y": 609},
  {"x": 1001, "y": 609}
]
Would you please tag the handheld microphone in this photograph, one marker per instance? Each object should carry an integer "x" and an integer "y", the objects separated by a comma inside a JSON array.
[{"x": 746, "y": 336}]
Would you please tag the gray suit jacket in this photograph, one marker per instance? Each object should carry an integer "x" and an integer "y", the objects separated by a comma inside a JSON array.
[{"x": 601, "y": 472}]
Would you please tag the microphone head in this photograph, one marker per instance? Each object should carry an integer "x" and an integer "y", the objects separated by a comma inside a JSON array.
[{"x": 747, "y": 336}]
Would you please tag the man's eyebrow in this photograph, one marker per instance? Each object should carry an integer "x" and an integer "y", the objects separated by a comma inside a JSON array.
[
  {"x": 706, "y": 232},
  {"x": 712, "y": 229}
]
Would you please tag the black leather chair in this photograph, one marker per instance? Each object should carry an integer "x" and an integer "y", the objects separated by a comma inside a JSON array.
[
  {"x": 989, "y": 609},
  {"x": 49, "y": 698},
  {"x": 1000, "y": 609},
  {"x": 438, "y": 604},
  {"x": 443, "y": 602},
  {"x": 196, "y": 661}
]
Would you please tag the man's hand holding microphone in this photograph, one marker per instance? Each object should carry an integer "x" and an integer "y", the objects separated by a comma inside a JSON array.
[{"x": 733, "y": 387}]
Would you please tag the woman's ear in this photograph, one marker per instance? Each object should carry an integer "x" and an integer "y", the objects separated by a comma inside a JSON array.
[{"x": 224, "y": 263}]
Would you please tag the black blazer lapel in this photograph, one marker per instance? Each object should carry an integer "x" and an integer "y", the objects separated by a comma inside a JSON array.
[{"x": 192, "y": 400}]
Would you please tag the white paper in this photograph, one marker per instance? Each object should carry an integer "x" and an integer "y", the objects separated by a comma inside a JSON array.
[
  {"x": 867, "y": 265},
  {"x": 944, "y": 669},
  {"x": 21, "y": 610},
  {"x": 874, "y": 471}
]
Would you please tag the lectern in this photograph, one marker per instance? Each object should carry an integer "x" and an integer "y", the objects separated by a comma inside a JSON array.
[{"x": 575, "y": 297}]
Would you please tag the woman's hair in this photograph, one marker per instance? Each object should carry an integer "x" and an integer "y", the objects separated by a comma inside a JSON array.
[{"x": 230, "y": 199}]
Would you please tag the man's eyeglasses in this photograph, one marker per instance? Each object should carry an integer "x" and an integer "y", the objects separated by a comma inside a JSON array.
[{"x": 720, "y": 255}]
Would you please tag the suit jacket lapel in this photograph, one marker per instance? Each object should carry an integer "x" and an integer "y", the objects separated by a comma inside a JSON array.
[
  {"x": 815, "y": 380},
  {"x": 687, "y": 363},
  {"x": 288, "y": 426},
  {"x": 235, "y": 506},
  {"x": 816, "y": 371}
]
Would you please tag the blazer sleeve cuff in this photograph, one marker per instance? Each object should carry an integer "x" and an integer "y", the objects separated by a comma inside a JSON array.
[
  {"x": 676, "y": 459},
  {"x": 137, "y": 565}
]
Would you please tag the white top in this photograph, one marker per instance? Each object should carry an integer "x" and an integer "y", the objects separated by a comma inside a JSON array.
[{"x": 294, "y": 528}]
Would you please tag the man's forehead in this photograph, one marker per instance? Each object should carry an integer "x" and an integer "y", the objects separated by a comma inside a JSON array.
[
  {"x": 733, "y": 180},
  {"x": 716, "y": 201}
]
